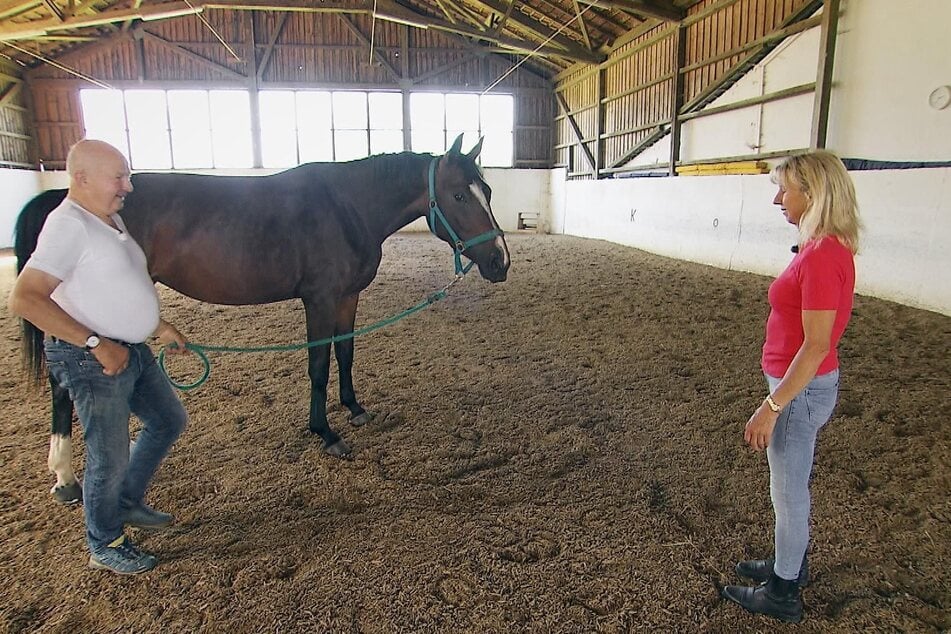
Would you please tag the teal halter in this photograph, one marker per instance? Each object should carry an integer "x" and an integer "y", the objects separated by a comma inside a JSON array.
[{"x": 458, "y": 245}]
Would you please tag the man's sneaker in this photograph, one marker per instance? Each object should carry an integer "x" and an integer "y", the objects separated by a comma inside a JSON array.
[
  {"x": 122, "y": 557},
  {"x": 144, "y": 516}
]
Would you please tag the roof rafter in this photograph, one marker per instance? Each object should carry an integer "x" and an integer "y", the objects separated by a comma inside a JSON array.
[
  {"x": 572, "y": 49},
  {"x": 649, "y": 8}
]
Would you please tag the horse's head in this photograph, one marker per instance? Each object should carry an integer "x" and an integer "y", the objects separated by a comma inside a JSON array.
[{"x": 458, "y": 194}]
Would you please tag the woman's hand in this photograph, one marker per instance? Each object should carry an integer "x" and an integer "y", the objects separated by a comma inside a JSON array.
[{"x": 759, "y": 428}]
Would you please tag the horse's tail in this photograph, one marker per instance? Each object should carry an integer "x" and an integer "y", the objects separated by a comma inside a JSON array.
[{"x": 29, "y": 223}]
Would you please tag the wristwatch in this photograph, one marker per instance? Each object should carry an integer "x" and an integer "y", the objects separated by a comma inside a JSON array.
[{"x": 92, "y": 342}]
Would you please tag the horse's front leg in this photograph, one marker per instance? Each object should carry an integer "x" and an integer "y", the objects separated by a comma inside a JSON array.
[
  {"x": 67, "y": 489},
  {"x": 320, "y": 325},
  {"x": 346, "y": 314}
]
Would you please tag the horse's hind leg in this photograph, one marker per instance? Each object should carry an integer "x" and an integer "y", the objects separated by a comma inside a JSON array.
[
  {"x": 346, "y": 314},
  {"x": 320, "y": 326},
  {"x": 67, "y": 489}
]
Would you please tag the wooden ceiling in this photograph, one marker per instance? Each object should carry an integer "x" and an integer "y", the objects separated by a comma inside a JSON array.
[{"x": 557, "y": 33}]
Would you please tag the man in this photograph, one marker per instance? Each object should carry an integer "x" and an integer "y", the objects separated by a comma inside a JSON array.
[{"x": 88, "y": 288}]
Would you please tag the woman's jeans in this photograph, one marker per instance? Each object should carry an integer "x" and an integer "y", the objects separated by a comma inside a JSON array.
[
  {"x": 115, "y": 480},
  {"x": 790, "y": 453}
]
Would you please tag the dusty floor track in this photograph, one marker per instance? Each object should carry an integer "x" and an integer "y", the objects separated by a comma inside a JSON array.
[{"x": 558, "y": 453}]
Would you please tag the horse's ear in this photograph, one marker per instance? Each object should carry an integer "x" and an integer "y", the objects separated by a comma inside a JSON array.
[
  {"x": 474, "y": 152},
  {"x": 457, "y": 145}
]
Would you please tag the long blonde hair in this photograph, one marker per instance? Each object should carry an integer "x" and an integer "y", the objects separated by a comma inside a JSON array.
[{"x": 833, "y": 209}]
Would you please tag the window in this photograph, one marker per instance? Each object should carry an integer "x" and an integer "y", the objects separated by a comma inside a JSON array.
[
  {"x": 438, "y": 119},
  {"x": 191, "y": 129},
  {"x": 386, "y": 122},
  {"x": 351, "y": 129},
  {"x": 305, "y": 126},
  {"x": 180, "y": 129}
]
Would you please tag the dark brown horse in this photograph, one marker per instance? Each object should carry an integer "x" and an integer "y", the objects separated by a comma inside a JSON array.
[{"x": 314, "y": 232}]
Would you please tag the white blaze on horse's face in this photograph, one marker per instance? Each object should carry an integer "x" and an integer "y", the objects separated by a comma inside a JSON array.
[{"x": 499, "y": 241}]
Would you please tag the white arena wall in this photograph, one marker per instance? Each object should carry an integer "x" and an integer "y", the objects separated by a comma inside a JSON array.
[
  {"x": 730, "y": 222},
  {"x": 889, "y": 57},
  {"x": 16, "y": 188}
]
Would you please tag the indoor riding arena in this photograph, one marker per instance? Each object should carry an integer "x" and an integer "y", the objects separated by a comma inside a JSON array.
[{"x": 561, "y": 451}]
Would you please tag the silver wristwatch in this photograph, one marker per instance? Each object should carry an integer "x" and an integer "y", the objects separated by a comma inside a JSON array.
[{"x": 92, "y": 341}]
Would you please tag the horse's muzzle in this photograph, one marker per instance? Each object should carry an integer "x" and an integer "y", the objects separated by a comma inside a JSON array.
[{"x": 495, "y": 269}]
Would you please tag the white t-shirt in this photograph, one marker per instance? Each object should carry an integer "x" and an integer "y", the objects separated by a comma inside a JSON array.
[{"x": 105, "y": 279}]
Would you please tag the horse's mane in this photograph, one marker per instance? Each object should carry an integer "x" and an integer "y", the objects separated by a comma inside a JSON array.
[{"x": 398, "y": 167}]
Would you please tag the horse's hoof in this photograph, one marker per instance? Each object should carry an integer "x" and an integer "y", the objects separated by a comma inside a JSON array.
[
  {"x": 339, "y": 449},
  {"x": 362, "y": 419},
  {"x": 68, "y": 494}
]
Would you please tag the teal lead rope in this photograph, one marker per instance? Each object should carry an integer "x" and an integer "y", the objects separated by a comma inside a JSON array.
[
  {"x": 458, "y": 246},
  {"x": 201, "y": 350}
]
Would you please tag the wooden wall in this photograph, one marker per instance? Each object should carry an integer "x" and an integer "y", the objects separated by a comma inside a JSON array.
[
  {"x": 284, "y": 50},
  {"x": 16, "y": 143},
  {"x": 608, "y": 114}
]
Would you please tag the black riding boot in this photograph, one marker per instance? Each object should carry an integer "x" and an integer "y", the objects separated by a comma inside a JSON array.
[
  {"x": 759, "y": 570},
  {"x": 777, "y": 597}
]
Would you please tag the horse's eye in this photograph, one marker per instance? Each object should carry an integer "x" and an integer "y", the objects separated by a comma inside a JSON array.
[{"x": 460, "y": 198}]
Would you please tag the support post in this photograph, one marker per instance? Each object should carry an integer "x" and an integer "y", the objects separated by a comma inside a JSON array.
[
  {"x": 820, "y": 109},
  {"x": 677, "y": 97}
]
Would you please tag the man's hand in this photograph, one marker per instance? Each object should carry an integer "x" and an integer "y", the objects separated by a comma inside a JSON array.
[
  {"x": 168, "y": 334},
  {"x": 113, "y": 356}
]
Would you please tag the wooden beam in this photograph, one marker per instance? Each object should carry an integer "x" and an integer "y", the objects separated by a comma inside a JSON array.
[
  {"x": 366, "y": 42},
  {"x": 581, "y": 24},
  {"x": 572, "y": 49},
  {"x": 599, "y": 82},
  {"x": 9, "y": 94},
  {"x": 793, "y": 91},
  {"x": 576, "y": 130},
  {"x": 184, "y": 52},
  {"x": 466, "y": 12},
  {"x": 54, "y": 9},
  {"x": 16, "y": 7},
  {"x": 439, "y": 70},
  {"x": 29, "y": 30},
  {"x": 645, "y": 143},
  {"x": 820, "y": 109},
  {"x": 266, "y": 58},
  {"x": 445, "y": 11},
  {"x": 508, "y": 12},
  {"x": 257, "y": 155},
  {"x": 305, "y": 6},
  {"x": 649, "y": 8},
  {"x": 677, "y": 97}
]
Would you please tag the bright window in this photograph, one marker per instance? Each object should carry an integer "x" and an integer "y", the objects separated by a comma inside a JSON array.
[
  {"x": 149, "y": 143},
  {"x": 191, "y": 129},
  {"x": 180, "y": 129},
  {"x": 190, "y": 123},
  {"x": 437, "y": 120},
  {"x": 231, "y": 135},
  {"x": 315, "y": 126},
  {"x": 104, "y": 116}
]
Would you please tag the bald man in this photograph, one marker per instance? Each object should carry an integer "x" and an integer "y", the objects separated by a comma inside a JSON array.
[{"x": 87, "y": 286}]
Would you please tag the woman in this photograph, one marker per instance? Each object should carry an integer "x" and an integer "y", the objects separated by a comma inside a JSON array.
[{"x": 810, "y": 304}]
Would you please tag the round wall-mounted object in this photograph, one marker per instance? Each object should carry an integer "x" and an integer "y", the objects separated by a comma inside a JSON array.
[{"x": 940, "y": 97}]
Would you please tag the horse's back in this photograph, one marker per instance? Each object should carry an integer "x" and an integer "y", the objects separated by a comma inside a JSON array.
[{"x": 240, "y": 239}]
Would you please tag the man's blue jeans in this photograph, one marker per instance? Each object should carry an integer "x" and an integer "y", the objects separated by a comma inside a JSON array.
[
  {"x": 790, "y": 453},
  {"x": 113, "y": 478}
]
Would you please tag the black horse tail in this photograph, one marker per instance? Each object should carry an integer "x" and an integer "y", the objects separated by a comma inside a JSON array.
[{"x": 29, "y": 223}]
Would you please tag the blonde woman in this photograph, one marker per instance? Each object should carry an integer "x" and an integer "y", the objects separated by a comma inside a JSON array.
[{"x": 810, "y": 305}]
